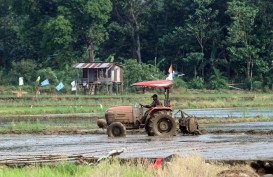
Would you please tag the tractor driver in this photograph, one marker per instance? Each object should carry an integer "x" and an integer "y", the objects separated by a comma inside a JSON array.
[{"x": 155, "y": 102}]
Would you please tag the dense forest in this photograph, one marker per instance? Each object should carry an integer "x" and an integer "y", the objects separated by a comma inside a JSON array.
[{"x": 211, "y": 43}]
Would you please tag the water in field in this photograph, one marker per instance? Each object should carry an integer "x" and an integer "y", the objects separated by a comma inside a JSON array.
[
  {"x": 78, "y": 119},
  {"x": 209, "y": 146},
  {"x": 229, "y": 112},
  {"x": 243, "y": 126}
]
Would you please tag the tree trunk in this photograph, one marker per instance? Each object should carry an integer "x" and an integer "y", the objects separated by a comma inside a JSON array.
[
  {"x": 91, "y": 50},
  {"x": 138, "y": 52},
  {"x": 135, "y": 30},
  {"x": 248, "y": 69},
  {"x": 251, "y": 69},
  {"x": 195, "y": 72},
  {"x": 203, "y": 68},
  {"x": 228, "y": 67}
]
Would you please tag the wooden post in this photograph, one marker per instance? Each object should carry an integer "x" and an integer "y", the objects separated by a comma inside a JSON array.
[
  {"x": 107, "y": 88},
  {"x": 143, "y": 90},
  {"x": 121, "y": 88},
  {"x": 111, "y": 88},
  {"x": 116, "y": 85}
]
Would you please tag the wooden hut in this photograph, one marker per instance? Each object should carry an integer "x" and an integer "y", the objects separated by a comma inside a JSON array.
[{"x": 100, "y": 73}]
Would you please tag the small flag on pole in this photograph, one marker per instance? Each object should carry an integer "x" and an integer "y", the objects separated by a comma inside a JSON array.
[
  {"x": 21, "y": 81},
  {"x": 60, "y": 86},
  {"x": 38, "y": 79},
  {"x": 45, "y": 82},
  {"x": 171, "y": 69},
  {"x": 73, "y": 85},
  {"x": 170, "y": 75}
]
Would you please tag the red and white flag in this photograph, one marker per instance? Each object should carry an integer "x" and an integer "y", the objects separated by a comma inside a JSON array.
[
  {"x": 170, "y": 75},
  {"x": 170, "y": 69}
]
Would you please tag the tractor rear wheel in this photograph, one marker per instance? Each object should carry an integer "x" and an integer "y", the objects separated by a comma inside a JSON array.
[
  {"x": 116, "y": 129},
  {"x": 163, "y": 125},
  {"x": 149, "y": 129}
]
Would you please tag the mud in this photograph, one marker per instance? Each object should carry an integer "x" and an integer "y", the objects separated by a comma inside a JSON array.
[
  {"x": 235, "y": 141},
  {"x": 209, "y": 146}
]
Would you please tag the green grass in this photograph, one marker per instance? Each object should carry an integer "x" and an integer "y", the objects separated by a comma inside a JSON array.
[
  {"x": 72, "y": 170},
  {"x": 23, "y": 126},
  {"x": 62, "y": 170},
  {"x": 84, "y": 104},
  {"x": 37, "y": 126},
  {"x": 54, "y": 109},
  {"x": 188, "y": 166}
]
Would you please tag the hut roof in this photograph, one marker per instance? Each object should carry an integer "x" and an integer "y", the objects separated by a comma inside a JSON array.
[{"x": 93, "y": 65}]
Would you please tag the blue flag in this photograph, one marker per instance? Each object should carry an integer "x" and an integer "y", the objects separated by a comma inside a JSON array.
[
  {"x": 45, "y": 82},
  {"x": 60, "y": 86}
]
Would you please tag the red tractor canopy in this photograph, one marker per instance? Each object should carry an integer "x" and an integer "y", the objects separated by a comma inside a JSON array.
[
  {"x": 166, "y": 84},
  {"x": 156, "y": 84}
]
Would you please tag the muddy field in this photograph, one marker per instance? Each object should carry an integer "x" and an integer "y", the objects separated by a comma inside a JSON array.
[
  {"x": 233, "y": 141},
  {"x": 209, "y": 146}
]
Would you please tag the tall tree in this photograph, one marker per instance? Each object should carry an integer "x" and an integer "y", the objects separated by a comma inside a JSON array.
[
  {"x": 263, "y": 30},
  {"x": 130, "y": 14},
  {"x": 88, "y": 19},
  {"x": 202, "y": 26},
  {"x": 240, "y": 34}
]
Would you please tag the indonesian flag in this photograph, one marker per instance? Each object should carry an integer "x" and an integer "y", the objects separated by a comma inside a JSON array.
[{"x": 170, "y": 69}]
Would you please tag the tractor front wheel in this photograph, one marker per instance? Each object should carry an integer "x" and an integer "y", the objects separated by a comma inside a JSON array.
[
  {"x": 116, "y": 129},
  {"x": 101, "y": 123}
]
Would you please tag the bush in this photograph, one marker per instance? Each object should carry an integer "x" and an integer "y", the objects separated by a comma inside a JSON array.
[
  {"x": 23, "y": 68},
  {"x": 257, "y": 85},
  {"x": 217, "y": 80},
  {"x": 179, "y": 83},
  {"x": 197, "y": 83},
  {"x": 218, "y": 84},
  {"x": 135, "y": 72}
]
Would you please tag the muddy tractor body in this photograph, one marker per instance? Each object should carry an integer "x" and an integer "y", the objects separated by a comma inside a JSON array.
[{"x": 157, "y": 121}]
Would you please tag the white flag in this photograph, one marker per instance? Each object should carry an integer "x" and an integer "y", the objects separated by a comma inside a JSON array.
[
  {"x": 21, "y": 81},
  {"x": 74, "y": 86}
]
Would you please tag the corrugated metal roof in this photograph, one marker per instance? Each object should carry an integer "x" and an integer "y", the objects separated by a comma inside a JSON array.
[{"x": 93, "y": 65}]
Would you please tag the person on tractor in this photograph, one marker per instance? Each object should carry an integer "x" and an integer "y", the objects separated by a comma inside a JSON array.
[{"x": 155, "y": 103}]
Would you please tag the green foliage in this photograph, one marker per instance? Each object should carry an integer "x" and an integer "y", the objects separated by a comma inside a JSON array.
[
  {"x": 49, "y": 74},
  {"x": 179, "y": 83},
  {"x": 235, "y": 37},
  {"x": 135, "y": 72},
  {"x": 257, "y": 85},
  {"x": 197, "y": 83},
  {"x": 241, "y": 38},
  {"x": 23, "y": 68},
  {"x": 193, "y": 59},
  {"x": 217, "y": 81}
]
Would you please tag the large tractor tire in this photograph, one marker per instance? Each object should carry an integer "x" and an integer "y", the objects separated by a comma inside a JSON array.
[
  {"x": 148, "y": 129},
  {"x": 116, "y": 129},
  {"x": 101, "y": 123},
  {"x": 162, "y": 125}
]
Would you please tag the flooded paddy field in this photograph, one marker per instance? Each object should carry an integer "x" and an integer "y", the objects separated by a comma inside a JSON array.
[
  {"x": 79, "y": 118},
  {"x": 230, "y": 112},
  {"x": 218, "y": 146},
  {"x": 243, "y": 126},
  {"x": 209, "y": 146}
]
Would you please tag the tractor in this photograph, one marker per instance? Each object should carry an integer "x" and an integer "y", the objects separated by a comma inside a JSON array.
[{"x": 157, "y": 121}]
